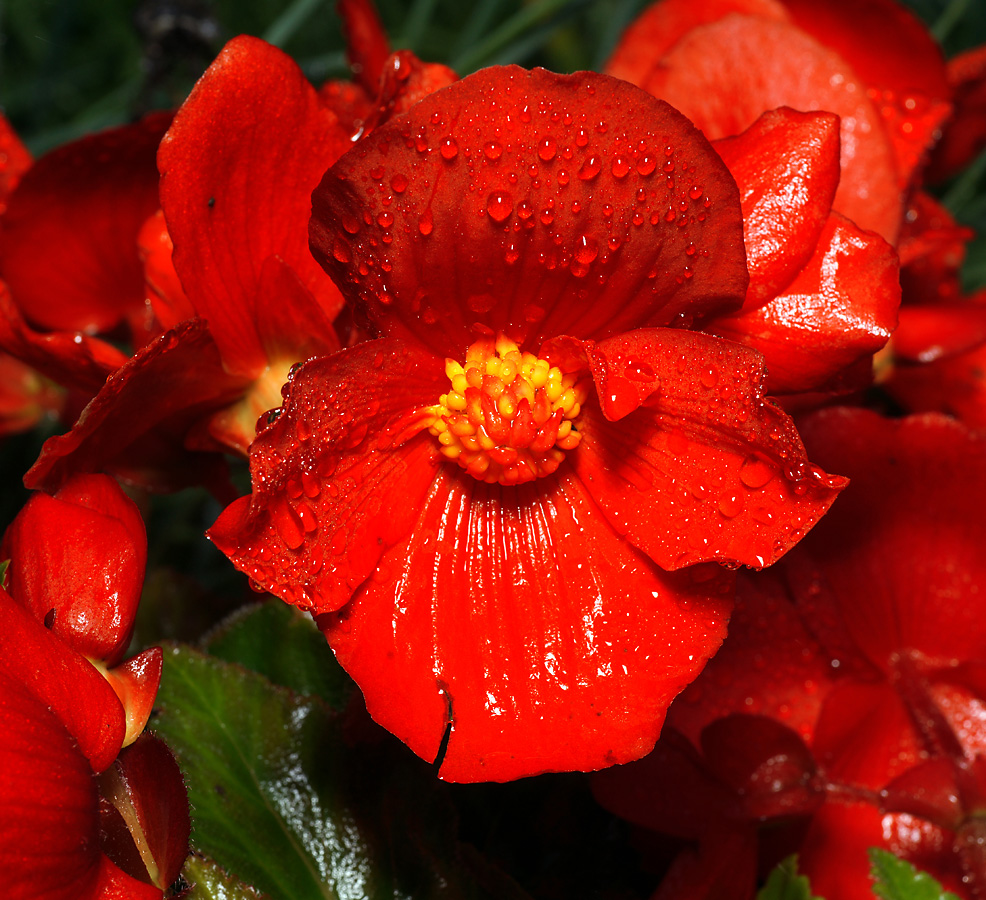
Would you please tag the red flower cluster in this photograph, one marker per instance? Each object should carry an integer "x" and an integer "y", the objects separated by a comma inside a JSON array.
[{"x": 89, "y": 806}]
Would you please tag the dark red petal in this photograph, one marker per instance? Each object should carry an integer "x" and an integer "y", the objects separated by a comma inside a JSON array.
[
  {"x": 115, "y": 884},
  {"x": 724, "y": 866},
  {"x": 69, "y": 685},
  {"x": 765, "y": 763},
  {"x": 708, "y": 75},
  {"x": 237, "y": 170},
  {"x": 955, "y": 385},
  {"x": 932, "y": 248},
  {"x": 367, "y": 47},
  {"x": 865, "y": 736},
  {"x": 926, "y": 334},
  {"x": 532, "y": 204},
  {"x": 146, "y": 786},
  {"x": 68, "y": 241},
  {"x": 928, "y": 790},
  {"x": 965, "y": 133},
  {"x": 326, "y": 472},
  {"x": 15, "y": 160},
  {"x": 898, "y": 60},
  {"x": 786, "y": 165},
  {"x": 697, "y": 465},
  {"x": 670, "y": 790},
  {"x": 901, "y": 551},
  {"x": 49, "y": 811},
  {"x": 25, "y": 397},
  {"x": 520, "y": 616},
  {"x": 662, "y": 24},
  {"x": 77, "y": 559},
  {"x": 164, "y": 290},
  {"x": 73, "y": 360},
  {"x": 170, "y": 384},
  {"x": 838, "y": 311},
  {"x": 769, "y": 665}
]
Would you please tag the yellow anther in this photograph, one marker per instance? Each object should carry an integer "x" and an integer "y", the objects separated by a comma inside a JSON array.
[{"x": 509, "y": 416}]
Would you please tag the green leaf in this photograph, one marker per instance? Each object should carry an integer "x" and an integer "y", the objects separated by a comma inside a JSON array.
[
  {"x": 785, "y": 883},
  {"x": 4, "y": 565},
  {"x": 897, "y": 879},
  {"x": 285, "y": 645},
  {"x": 280, "y": 800},
  {"x": 210, "y": 882}
]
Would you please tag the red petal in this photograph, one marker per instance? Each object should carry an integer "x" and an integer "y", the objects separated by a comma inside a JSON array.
[
  {"x": 169, "y": 385},
  {"x": 78, "y": 559},
  {"x": 68, "y": 238},
  {"x": 965, "y": 133},
  {"x": 164, "y": 290},
  {"x": 25, "y": 398},
  {"x": 932, "y": 249},
  {"x": 15, "y": 160},
  {"x": 367, "y": 47},
  {"x": 114, "y": 884},
  {"x": 769, "y": 665},
  {"x": 237, "y": 170},
  {"x": 709, "y": 77},
  {"x": 838, "y": 312},
  {"x": 49, "y": 838},
  {"x": 670, "y": 790},
  {"x": 652, "y": 34},
  {"x": 705, "y": 468},
  {"x": 786, "y": 165},
  {"x": 523, "y": 619},
  {"x": 901, "y": 551},
  {"x": 69, "y": 685},
  {"x": 940, "y": 331},
  {"x": 73, "y": 360},
  {"x": 135, "y": 683},
  {"x": 535, "y": 205},
  {"x": 147, "y": 788},
  {"x": 725, "y": 866},
  {"x": 325, "y": 472},
  {"x": 897, "y": 58}
]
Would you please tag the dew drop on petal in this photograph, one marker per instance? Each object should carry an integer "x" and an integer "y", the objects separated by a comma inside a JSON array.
[
  {"x": 731, "y": 504},
  {"x": 590, "y": 168},
  {"x": 547, "y": 149},
  {"x": 755, "y": 473},
  {"x": 398, "y": 184},
  {"x": 426, "y": 222},
  {"x": 586, "y": 250},
  {"x": 493, "y": 150},
  {"x": 499, "y": 205},
  {"x": 620, "y": 167},
  {"x": 449, "y": 148}
]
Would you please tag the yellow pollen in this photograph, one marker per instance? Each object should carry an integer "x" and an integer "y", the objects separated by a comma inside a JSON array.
[{"x": 508, "y": 416}]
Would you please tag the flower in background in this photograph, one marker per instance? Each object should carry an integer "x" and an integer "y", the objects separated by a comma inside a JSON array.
[
  {"x": 90, "y": 807},
  {"x": 846, "y": 707},
  {"x": 530, "y": 250}
]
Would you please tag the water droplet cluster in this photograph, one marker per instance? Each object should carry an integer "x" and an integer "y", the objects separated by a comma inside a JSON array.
[{"x": 509, "y": 417}]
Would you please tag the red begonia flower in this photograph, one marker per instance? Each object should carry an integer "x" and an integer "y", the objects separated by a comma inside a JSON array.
[
  {"x": 823, "y": 294},
  {"x": 578, "y": 218},
  {"x": 723, "y": 62},
  {"x": 68, "y": 236}
]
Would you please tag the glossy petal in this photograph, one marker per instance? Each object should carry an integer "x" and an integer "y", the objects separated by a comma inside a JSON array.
[
  {"x": 49, "y": 822},
  {"x": 786, "y": 165},
  {"x": 965, "y": 133},
  {"x": 899, "y": 61},
  {"x": 68, "y": 238},
  {"x": 146, "y": 787},
  {"x": 70, "y": 359},
  {"x": 165, "y": 387},
  {"x": 237, "y": 170},
  {"x": 164, "y": 290},
  {"x": 69, "y": 685},
  {"x": 114, "y": 884},
  {"x": 769, "y": 665},
  {"x": 691, "y": 463},
  {"x": 524, "y": 620},
  {"x": 135, "y": 683},
  {"x": 708, "y": 76},
  {"x": 15, "y": 160},
  {"x": 838, "y": 311},
  {"x": 652, "y": 34},
  {"x": 532, "y": 211},
  {"x": 325, "y": 471},
  {"x": 900, "y": 554},
  {"x": 929, "y": 333},
  {"x": 77, "y": 563}
]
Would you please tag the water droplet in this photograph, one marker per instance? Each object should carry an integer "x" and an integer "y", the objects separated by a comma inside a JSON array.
[
  {"x": 547, "y": 216},
  {"x": 637, "y": 370},
  {"x": 731, "y": 504},
  {"x": 499, "y": 206},
  {"x": 425, "y": 222},
  {"x": 646, "y": 165},
  {"x": 586, "y": 250},
  {"x": 385, "y": 219},
  {"x": 755, "y": 473},
  {"x": 695, "y": 192},
  {"x": 493, "y": 150},
  {"x": 449, "y": 148},
  {"x": 288, "y": 525},
  {"x": 398, "y": 184},
  {"x": 547, "y": 149},
  {"x": 341, "y": 251},
  {"x": 620, "y": 167},
  {"x": 590, "y": 168},
  {"x": 709, "y": 377}
]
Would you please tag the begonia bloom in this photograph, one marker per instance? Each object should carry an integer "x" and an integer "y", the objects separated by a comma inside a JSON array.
[
  {"x": 549, "y": 231},
  {"x": 871, "y": 63}
]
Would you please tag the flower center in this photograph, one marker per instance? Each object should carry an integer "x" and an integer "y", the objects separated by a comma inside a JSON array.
[{"x": 509, "y": 415}]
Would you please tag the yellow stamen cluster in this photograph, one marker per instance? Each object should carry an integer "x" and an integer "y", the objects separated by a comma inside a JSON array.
[{"x": 509, "y": 415}]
